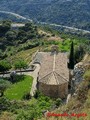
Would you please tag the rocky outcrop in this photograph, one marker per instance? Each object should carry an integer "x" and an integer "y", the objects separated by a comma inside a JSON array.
[{"x": 78, "y": 73}]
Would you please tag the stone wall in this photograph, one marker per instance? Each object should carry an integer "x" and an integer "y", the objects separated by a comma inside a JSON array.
[{"x": 54, "y": 91}]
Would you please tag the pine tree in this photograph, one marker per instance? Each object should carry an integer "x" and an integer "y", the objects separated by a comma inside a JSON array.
[{"x": 71, "y": 57}]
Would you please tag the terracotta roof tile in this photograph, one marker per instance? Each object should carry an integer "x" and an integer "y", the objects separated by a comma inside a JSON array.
[{"x": 53, "y": 68}]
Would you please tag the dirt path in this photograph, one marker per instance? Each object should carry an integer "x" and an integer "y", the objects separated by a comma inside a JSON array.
[
  {"x": 34, "y": 74},
  {"x": 68, "y": 98}
]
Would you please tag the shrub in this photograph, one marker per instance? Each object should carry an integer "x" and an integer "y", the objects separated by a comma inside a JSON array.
[
  {"x": 20, "y": 64},
  {"x": 79, "y": 53},
  {"x": 4, "y": 66},
  {"x": 27, "y": 96},
  {"x": 37, "y": 94},
  {"x": 4, "y": 84},
  {"x": 58, "y": 102},
  {"x": 4, "y": 104},
  {"x": 26, "y": 115}
]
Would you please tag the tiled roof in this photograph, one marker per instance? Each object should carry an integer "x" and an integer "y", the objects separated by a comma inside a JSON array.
[
  {"x": 53, "y": 67},
  {"x": 53, "y": 78}
]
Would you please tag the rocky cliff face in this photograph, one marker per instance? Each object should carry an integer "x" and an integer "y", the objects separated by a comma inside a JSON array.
[{"x": 79, "y": 71}]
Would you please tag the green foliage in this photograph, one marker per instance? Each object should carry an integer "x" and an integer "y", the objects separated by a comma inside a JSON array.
[
  {"x": 19, "y": 89},
  {"x": 11, "y": 35},
  {"x": 27, "y": 96},
  {"x": 21, "y": 34},
  {"x": 37, "y": 94},
  {"x": 20, "y": 64},
  {"x": 27, "y": 109},
  {"x": 4, "y": 66},
  {"x": 65, "y": 45},
  {"x": 6, "y": 25},
  {"x": 79, "y": 53},
  {"x": 26, "y": 115},
  {"x": 32, "y": 109},
  {"x": 30, "y": 45},
  {"x": 29, "y": 31},
  {"x": 58, "y": 102},
  {"x": 4, "y": 104},
  {"x": 2, "y": 55},
  {"x": 86, "y": 46},
  {"x": 18, "y": 40},
  {"x": 4, "y": 84},
  {"x": 71, "y": 57},
  {"x": 27, "y": 27}
]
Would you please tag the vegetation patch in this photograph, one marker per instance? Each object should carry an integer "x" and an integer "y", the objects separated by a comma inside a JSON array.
[
  {"x": 28, "y": 110},
  {"x": 17, "y": 90}
]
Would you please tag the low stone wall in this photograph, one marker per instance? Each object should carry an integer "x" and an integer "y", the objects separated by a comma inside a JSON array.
[
  {"x": 54, "y": 91},
  {"x": 18, "y": 71}
]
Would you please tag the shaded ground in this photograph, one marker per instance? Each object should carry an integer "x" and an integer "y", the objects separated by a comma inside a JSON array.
[
  {"x": 18, "y": 90},
  {"x": 34, "y": 74}
]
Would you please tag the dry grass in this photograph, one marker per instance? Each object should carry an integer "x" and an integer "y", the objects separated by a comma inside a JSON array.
[
  {"x": 26, "y": 55},
  {"x": 56, "y": 38},
  {"x": 43, "y": 32},
  {"x": 49, "y": 36},
  {"x": 7, "y": 116},
  {"x": 86, "y": 58}
]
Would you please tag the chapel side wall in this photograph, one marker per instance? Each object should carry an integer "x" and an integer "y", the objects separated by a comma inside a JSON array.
[
  {"x": 48, "y": 90},
  {"x": 63, "y": 90},
  {"x": 54, "y": 91}
]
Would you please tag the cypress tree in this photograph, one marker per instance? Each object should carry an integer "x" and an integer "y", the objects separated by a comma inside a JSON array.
[{"x": 71, "y": 57}]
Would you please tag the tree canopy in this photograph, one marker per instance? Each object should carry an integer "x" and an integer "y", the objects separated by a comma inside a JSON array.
[
  {"x": 4, "y": 66},
  {"x": 71, "y": 57},
  {"x": 20, "y": 64},
  {"x": 4, "y": 27}
]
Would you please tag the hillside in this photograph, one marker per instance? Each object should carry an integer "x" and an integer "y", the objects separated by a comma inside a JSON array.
[
  {"x": 18, "y": 47},
  {"x": 66, "y": 12},
  {"x": 78, "y": 106},
  {"x": 15, "y": 38},
  {"x": 4, "y": 15},
  {"x": 29, "y": 36}
]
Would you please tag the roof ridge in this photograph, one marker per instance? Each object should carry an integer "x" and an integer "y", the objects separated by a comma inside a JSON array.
[
  {"x": 56, "y": 77},
  {"x": 49, "y": 77},
  {"x": 61, "y": 76},
  {"x": 45, "y": 76}
]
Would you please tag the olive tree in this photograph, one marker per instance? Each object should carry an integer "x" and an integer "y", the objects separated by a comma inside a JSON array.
[
  {"x": 20, "y": 64},
  {"x": 4, "y": 66},
  {"x": 71, "y": 57}
]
